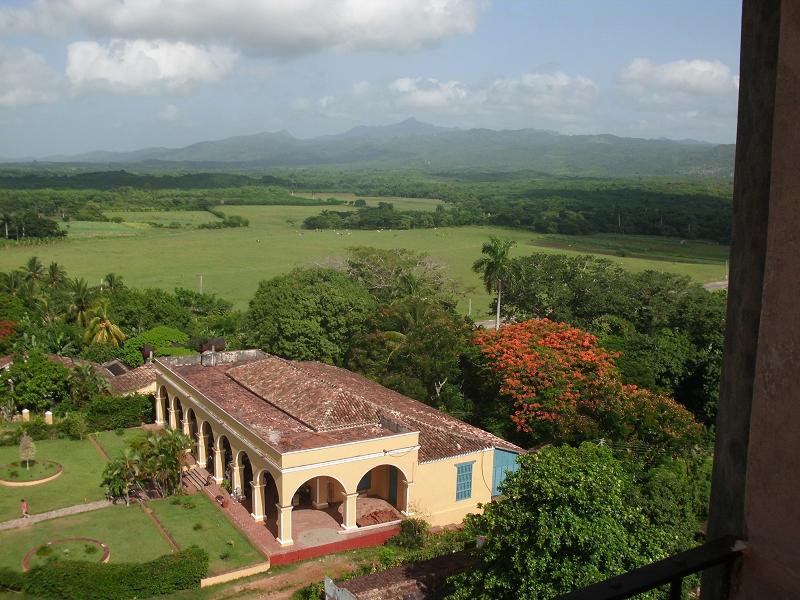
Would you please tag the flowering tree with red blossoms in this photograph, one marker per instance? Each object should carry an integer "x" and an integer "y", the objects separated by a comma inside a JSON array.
[{"x": 564, "y": 386}]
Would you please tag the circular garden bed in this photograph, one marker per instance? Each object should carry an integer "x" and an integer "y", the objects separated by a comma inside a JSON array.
[
  {"x": 79, "y": 548},
  {"x": 38, "y": 471}
]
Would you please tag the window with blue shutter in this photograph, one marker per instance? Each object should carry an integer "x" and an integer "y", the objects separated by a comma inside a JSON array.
[{"x": 464, "y": 481}]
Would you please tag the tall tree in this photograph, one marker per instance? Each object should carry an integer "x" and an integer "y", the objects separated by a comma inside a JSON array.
[
  {"x": 33, "y": 270},
  {"x": 113, "y": 283},
  {"x": 56, "y": 276},
  {"x": 568, "y": 517},
  {"x": 494, "y": 265},
  {"x": 27, "y": 450},
  {"x": 100, "y": 329},
  {"x": 81, "y": 301}
]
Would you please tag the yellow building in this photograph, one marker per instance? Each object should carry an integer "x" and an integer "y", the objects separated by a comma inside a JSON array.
[{"x": 286, "y": 433}]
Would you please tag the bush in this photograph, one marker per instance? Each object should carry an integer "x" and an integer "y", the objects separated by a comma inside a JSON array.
[
  {"x": 36, "y": 428},
  {"x": 96, "y": 581},
  {"x": 11, "y": 580},
  {"x": 165, "y": 341},
  {"x": 314, "y": 591},
  {"x": 114, "y": 412},
  {"x": 412, "y": 534},
  {"x": 74, "y": 425}
]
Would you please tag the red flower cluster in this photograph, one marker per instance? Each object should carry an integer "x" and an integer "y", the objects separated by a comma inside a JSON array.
[
  {"x": 6, "y": 329},
  {"x": 564, "y": 385}
]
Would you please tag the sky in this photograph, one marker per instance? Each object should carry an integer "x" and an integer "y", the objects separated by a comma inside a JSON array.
[{"x": 83, "y": 75}]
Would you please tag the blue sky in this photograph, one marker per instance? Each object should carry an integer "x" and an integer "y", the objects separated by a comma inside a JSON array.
[{"x": 81, "y": 75}]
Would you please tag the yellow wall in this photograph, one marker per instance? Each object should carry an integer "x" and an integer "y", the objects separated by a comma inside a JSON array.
[{"x": 433, "y": 496}]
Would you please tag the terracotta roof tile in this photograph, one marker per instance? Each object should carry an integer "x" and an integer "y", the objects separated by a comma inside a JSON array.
[
  {"x": 137, "y": 379},
  {"x": 302, "y": 405}
]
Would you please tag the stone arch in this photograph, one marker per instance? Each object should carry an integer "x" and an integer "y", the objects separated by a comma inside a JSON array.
[
  {"x": 381, "y": 485},
  {"x": 178, "y": 408},
  {"x": 223, "y": 457},
  {"x": 244, "y": 475},
  {"x": 162, "y": 406},
  {"x": 266, "y": 487},
  {"x": 207, "y": 439},
  {"x": 192, "y": 430}
]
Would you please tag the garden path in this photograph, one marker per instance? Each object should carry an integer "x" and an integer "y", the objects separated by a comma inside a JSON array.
[{"x": 54, "y": 514}]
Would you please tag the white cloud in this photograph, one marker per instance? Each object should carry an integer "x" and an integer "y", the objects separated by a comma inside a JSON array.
[
  {"x": 429, "y": 93},
  {"x": 169, "y": 113},
  {"x": 677, "y": 81},
  {"x": 530, "y": 100},
  {"x": 267, "y": 27},
  {"x": 26, "y": 78},
  {"x": 145, "y": 67},
  {"x": 683, "y": 98}
]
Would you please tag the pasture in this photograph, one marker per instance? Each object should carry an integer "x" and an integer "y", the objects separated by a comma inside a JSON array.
[{"x": 233, "y": 261}]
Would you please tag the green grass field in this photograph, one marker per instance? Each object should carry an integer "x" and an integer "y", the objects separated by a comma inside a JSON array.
[
  {"x": 128, "y": 532},
  {"x": 216, "y": 535},
  {"x": 233, "y": 261},
  {"x": 428, "y": 204},
  {"x": 78, "y": 484},
  {"x": 114, "y": 443}
]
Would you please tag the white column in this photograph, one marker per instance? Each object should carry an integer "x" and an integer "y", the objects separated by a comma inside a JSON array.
[
  {"x": 285, "y": 525},
  {"x": 160, "y": 411},
  {"x": 173, "y": 418},
  {"x": 349, "y": 511},
  {"x": 186, "y": 428},
  {"x": 407, "y": 511},
  {"x": 258, "y": 501},
  {"x": 201, "y": 450},
  {"x": 219, "y": 468},
  {"x": 319, "y": 493},
  {"x": 236, "y": 474}
]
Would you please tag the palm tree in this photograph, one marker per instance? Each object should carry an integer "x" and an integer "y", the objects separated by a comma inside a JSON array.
[
  {"x": 495, "y": 267},
  {"x": 11, "y": 283},
  {"x": 33, "y": 271},
  {"x": 113, "y": 283},
  {"x": 7, "y": 220},
  {"x": 85, "y": 384},
  {"x": 81, "y": 301},
  {"x": 56, "y": 276},
  {"x": 100, "y": 329}
]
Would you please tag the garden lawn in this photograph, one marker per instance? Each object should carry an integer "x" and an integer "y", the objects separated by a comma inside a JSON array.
[
  {"x": 78, "y": 484},
  {"x": 114, "y": 443},
  {"x": 214, "y": 536},
  {"x": 130, "y": 535}
]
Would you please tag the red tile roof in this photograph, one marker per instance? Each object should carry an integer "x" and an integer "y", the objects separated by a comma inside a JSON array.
[
  {"x": 303, "y": 405},
  {"x": 134, "y": 380}
]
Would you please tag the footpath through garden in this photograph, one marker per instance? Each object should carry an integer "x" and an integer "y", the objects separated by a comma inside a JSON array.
[{"x": 54, "y": 514}]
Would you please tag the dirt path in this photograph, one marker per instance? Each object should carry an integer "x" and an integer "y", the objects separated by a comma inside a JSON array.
[{"x": 282, "y": 585}]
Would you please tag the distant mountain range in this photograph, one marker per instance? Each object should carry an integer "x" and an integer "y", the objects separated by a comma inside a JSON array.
[{"x": 413, "y": 144}]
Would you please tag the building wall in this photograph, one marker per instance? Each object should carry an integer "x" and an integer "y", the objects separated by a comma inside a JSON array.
[{"x": 433, "y": 496}]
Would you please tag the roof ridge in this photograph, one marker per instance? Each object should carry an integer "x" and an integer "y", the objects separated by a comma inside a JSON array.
[{"x": 417, "y": 421}]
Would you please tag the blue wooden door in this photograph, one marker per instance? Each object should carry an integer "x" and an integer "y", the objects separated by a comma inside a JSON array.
[{"x": 504, "y": 462}]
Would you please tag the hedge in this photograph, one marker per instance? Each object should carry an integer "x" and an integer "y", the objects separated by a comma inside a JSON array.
[
  {"x": 82, "y": 580},
  {"x": 11, "y": 581},
  {"x": 114, "y": 412}
]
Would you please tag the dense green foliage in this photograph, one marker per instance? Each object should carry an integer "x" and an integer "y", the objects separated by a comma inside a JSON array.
[
  {"x": 153, "y": 461},
  {"x": 163, "y": 340},
  {"x": 668, "y": 329},
  {"x": 308, "y": 315},
  {"x": 104, "y": 413},
  {"x": 573, "y": 516},
  {"x": 83, "y": 580},
  {"x": 38, "y": 383}
]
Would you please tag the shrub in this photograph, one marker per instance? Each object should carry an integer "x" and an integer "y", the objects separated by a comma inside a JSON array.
[
  {"x": 412, "y": 534},
  {"x": 166, "y": 341},
  {"x": 314, "y": 591},
  {"x": 11, "y": 580},
  {"x": 74, "y": 425},
  {"x": 83, "y": 580},
  {"x": 197, "y": 526},
  {"x": 225, "y": 555},
  {"x": 115, "y": 412},
  {"x": 90, "y": 549}
]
